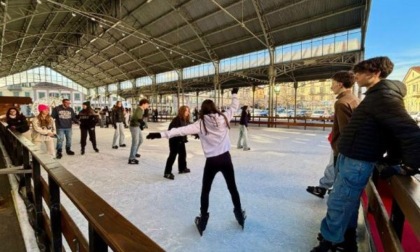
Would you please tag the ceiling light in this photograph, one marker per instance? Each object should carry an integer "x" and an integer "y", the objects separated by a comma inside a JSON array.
[
  {"x": 3, "y": 3},
  {"x": 170, "y": 52},
  {"x": 123, "y": 34},
  {"x": 93, "y": 19},
  {"x": 148, "y": 1},
  {"x": 141, "y": 41},
  {"x": 93, "y": 40},
  {"x": 73, "y": 14},
  {"x": 39, "y": 1},
  {"x": 157, "y": 47},
  {"x": 100, "y": 25}
]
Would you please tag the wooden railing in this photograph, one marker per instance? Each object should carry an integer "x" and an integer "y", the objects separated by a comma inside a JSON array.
[
  {"x": 405, "y": 209},
  {"x": 107, "y": 227}
]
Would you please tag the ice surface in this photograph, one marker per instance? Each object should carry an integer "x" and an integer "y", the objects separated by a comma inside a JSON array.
[{"x": 271, "y": 179}]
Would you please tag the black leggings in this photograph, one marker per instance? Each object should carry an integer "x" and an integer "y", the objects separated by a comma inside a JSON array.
[
  {"x": 222, "y": 163},
  {"x": 92, "y": 136},
  {"x": 176, "y": 148}
]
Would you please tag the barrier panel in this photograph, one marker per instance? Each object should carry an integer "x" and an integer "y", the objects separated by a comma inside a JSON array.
[{"x": 392, "y": 210}]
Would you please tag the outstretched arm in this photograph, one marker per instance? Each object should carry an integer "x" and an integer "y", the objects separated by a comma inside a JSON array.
[
  {"x": 234, "y": 106},
  {"x": 181, "y": 131}
]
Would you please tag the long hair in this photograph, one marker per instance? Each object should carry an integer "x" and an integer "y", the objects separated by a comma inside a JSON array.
[
  {"x": 44, "y": 122},
  {"x": 12, "y": 108},
  {"x": 208, "y": 107},
  {"x": 181, "y": 113}
]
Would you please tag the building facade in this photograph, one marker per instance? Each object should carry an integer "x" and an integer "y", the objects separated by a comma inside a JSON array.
[{"x": 412, "y": 82}]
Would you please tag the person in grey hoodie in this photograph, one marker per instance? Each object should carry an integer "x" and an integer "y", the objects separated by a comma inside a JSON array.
[
  {"x": 213, "y": 130},
  {"x": 64, "y": 117}
]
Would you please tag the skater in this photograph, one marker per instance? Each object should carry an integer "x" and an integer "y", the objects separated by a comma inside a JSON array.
[
  {"x": 347, "y": 102},
  {"x": 213, "y": 130},
  {"x": 379, "y": 124},
  {"x": 43, "y": 129},
  {"x": 118, "y": 123},
  {"x": 64, "y": 117},
  {"x": 177, "y": 144},
  {"x": 137, "y": 124},
  {"x": 88, "y": 120},
  {"x": 243, "y": 129}
]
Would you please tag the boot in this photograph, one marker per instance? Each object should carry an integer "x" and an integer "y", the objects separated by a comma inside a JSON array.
[
  {"x": 201, "y": 222},
  {"x": 69, "y": 152},
  {"x": 59, "y": 155},
  {"x": 317, "y": 191},
  {"x": 240, "y": 216},
  {"x": 350, "y": 240},
  {"x": 95, "y": 149},
  {"x": 324, "y": 246},
  {"x": 83, "y": 151},
  {"x": 169, "y": 176}
]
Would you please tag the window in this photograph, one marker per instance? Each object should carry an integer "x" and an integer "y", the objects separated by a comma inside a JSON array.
[
  {"x": 65, "y": 96},
  {"x": 27, "y": 94},
  {"x": 41, "y": 95},
  {"x": 54, "y": 94},
  {"x": 77, "y": 96},
  {"x": 16, "y": 93}
]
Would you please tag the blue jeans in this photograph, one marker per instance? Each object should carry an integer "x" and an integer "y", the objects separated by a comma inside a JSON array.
[
  {"x": 136, "y": 141},
  {"x": 61, "y": 133},
  {"x": 344, "y": 200}
]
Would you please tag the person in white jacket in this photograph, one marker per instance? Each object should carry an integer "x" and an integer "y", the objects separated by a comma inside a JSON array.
[
  {"x": 43, "y": 129},
  {"x": 213, "y": 131}
]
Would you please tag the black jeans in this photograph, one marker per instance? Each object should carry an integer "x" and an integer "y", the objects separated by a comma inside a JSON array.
[
  {"x": 222, "y": 163},
  {"x": 92, "y": 136},
  {"x": 176, "y": 148}
]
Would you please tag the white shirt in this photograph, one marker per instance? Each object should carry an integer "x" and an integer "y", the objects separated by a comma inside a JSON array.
[{"x": 217, "y": 140}]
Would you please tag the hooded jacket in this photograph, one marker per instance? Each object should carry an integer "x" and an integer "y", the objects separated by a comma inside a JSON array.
[
  {"x": 216, "y": 141},
  {"x": 381, "y": 124},
  {"x": 88, "y": 118}
]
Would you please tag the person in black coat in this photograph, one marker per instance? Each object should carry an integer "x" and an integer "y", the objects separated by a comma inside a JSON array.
[
  {"x": 379, "y": 125},
  {"x": 88, "y": 120},
  {"x": 177, "y": 144},
  {"x": 16, "y": 121}
]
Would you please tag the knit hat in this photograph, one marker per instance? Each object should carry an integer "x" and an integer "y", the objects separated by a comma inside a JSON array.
[
  {"x": 87, "y": 103},
  {"x": 42, "y": 107}
]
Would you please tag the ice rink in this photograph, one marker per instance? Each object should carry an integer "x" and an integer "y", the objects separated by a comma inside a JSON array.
[{"x": 271, "y": 179}]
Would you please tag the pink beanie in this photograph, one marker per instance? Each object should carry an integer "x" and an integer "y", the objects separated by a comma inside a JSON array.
[{"x": 42, "y": 107}]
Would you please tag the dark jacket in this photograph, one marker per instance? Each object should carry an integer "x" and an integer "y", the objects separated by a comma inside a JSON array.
[
  {"x": 64, "y": 117},
  {"x": 117, "y": 114},
  {"x": 137, "y": 117},
  {"x": 381, "y": 124},
  {"x": 245, "y": 118},
  {"x": 88, "y": 118},
  {"x": 343, "y": 109},
  {"x": 176, "y": 123},
  {"x": 18, "y": 123}
]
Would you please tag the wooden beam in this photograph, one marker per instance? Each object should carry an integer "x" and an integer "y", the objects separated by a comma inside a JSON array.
[{"x": 14, "y": 171}]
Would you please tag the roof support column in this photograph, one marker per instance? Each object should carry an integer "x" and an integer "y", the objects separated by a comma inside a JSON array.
[
  {"x": 154, "y": 89},
  {"x": 216, "y": 82},
  {"x": 272, "y": 80},
  {"x": 180, "y": 89}
]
